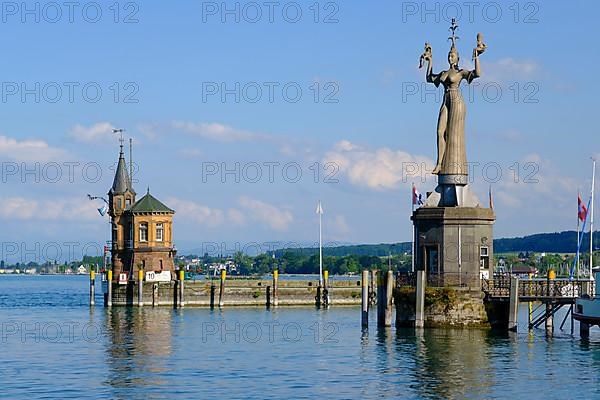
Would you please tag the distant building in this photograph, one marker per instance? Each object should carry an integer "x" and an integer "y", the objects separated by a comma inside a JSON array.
[
  {"x": 142, "y": 231},
  {"x": 523, "y": 270}
]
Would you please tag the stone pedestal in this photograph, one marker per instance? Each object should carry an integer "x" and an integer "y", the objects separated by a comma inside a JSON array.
[{"x": 454, "y": 244}]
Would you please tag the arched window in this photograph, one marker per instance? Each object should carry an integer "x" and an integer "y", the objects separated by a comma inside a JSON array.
[{"x": 143, "y": 232}]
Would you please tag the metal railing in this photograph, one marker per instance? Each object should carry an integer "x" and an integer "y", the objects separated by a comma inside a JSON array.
[
  {"x": 499, "y": 286},
  {"x": 443, "y": 279}
]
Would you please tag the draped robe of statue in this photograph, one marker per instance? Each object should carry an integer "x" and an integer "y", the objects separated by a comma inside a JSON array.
[{"x": 451, "y": 124}]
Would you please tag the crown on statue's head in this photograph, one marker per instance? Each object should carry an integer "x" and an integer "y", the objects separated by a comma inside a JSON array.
[{"x": 453, "y": 38}]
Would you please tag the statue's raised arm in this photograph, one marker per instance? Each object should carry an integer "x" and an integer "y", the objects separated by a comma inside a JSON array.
[
  {"x": 477, "y": 51},
  {"x": 427, "y": 56}
]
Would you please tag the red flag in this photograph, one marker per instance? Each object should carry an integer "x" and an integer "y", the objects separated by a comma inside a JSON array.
[
  {"x": 581, "y": 211},
  {"x": 417, "y": 198}
]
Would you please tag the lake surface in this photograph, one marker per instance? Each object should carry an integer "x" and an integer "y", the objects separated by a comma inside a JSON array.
[{"x": 54, "y": 346}]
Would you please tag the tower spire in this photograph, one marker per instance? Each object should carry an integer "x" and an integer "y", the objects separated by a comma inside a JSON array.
[{"x": 122, "y": 181}]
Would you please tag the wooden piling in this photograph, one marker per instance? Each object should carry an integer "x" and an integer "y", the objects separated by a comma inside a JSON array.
[
  {"x": 326, "y": 295},
  {"x": 318, "y": 296},
  {"x": 92, "y": 288},
  {"x": 513, "y": 304},
  {"x": 549, "y": 318},
  {"x": 269, "y": 301},
  {"x": 155, "y": 295},
  {"x": 365, "y": 299},
  {"x": 181, "y": 287},
  {"x": 275, "y": 288},
  {"x": 420, "y": 301},
  {"x": 389, "y": 289},
  {"x": 222, "y": 288},
  {"x": 584, "y": 330},
  {"x": 530, "y": 305},
  {"x": 140, "y": 288},
  {"x": 213, "y": 289},
  {"x": 381, "y": 297},
  {"x": 109, "y": 288}
]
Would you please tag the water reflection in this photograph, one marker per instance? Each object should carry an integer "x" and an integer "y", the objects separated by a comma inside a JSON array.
[
  {"x": 139, "y": 345},
  {"x": 443, "y": 363}
]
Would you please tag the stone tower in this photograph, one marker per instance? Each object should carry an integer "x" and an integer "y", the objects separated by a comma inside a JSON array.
[{"x": 142, "y": 231}]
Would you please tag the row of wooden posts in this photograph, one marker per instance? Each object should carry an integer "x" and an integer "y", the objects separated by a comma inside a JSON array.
[
  {"x": 385, "y": 289},
  {"x": 322, "y": 298}
]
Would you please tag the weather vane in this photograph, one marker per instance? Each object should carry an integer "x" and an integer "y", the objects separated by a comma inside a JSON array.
[{"x": 121, "y": 138}]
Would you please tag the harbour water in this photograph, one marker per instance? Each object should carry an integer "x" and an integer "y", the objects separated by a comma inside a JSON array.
[{"x": 55, "y": 346}]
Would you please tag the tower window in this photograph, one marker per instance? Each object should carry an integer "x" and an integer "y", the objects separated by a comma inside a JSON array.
[
  {"x": 143, "y": 232},
  {"x": 159, "y": 232}
]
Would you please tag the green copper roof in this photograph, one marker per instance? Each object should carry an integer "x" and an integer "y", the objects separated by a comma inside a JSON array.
[{"x": 148, "y": 204}]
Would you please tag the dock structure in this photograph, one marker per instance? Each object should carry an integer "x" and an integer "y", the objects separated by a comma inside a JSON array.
[
  {"x": 226, "y": 292},
  {"x": 552, "y": 294},
  {"x": 449, "y": 299}
]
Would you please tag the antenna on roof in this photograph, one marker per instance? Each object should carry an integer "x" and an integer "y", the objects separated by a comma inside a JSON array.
[{"x": 131, "y": 162}]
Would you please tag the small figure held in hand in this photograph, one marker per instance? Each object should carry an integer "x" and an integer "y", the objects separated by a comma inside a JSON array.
[
  {"x": 480, "y": 46},
  {"x": 426, "y": 55}
]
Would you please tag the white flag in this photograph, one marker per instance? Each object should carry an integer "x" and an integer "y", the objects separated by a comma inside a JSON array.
[{"x": 319, "y": 208}]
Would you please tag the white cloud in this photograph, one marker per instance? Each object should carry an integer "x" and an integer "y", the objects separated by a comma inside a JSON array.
[
  {"x": 96, "y": 133},
  {"x": 236, "y": 216},
  {"x": 199, "y": 213},
  {"x": 532, "y": 184},
  {"x": 20, "y": 208},
  {"x": 509, "y": 70},
  {"x": 30, "y": 150},
  {"x": 216, "y": 131},
  {"x": 340, "y": 225},
  {"x": 268, "y": 214},
  {"x": 510, "y": 135},
  {"x": 190, "y": 153},
  {"x": 378, "y": 169}
]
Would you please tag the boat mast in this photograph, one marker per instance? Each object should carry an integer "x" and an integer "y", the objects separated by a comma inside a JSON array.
[
  {"x": 592, "y": 217},
  {"x": 320, "y": 212},
  {"x": 578, "y": 239}
]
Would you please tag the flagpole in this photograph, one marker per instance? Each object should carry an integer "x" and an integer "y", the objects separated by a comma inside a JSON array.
[
  {"x": 580, "y": 242},
  {"x": 412, "y": 204},
  {"x": 578, "y": 220},
  {"x": 320, "y": 209},
  {"x": 592, "y": 217}
]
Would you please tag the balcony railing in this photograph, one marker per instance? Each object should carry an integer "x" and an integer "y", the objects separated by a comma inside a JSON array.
[{"x": 443, "y": 279}]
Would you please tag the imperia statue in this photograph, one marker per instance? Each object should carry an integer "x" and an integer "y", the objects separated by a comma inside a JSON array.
[{"x": 452, "y": 159}]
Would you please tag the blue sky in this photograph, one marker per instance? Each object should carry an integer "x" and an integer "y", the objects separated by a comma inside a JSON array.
[{"x": 543, "y": 122}]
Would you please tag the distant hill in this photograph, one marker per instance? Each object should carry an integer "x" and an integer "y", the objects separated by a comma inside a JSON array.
[
  {"x": 380, "y": 250},
  {"x": 557, "y": 242}
]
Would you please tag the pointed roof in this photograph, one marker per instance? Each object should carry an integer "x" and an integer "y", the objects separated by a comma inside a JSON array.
[
  {"x": 150, "y": 204},
  {"x": 121, "y": 183}
]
